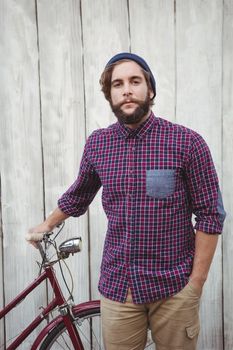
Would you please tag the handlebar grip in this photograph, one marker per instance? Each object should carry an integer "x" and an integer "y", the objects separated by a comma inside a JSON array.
[{"x": 35, "y": 236}]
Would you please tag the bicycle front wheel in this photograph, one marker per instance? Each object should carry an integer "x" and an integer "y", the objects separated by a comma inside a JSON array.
[{"x": 88, "y": 325}]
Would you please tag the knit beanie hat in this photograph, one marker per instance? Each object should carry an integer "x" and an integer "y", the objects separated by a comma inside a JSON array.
[{"x": 139, "y": 60}]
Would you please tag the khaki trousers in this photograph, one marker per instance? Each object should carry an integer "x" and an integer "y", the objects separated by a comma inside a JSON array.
[{"x": 174, "y": 322}]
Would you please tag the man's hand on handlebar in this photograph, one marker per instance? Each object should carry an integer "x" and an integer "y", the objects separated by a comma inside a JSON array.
[{"x": 36, "y": 233}]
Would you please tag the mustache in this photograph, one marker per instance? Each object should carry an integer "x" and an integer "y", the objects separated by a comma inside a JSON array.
[{"x": 128, "y": 100}]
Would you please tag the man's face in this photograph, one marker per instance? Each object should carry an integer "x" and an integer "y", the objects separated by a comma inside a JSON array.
[{"x": 130, "y": 96}]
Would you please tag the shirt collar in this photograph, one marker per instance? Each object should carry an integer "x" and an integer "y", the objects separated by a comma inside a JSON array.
[{"x": 140, "y": 131}]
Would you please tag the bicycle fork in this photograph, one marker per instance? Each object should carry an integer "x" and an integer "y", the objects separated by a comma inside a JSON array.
[{"x": 64, "y": 310}]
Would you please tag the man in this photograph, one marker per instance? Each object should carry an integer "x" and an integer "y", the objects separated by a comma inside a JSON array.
[{"x": 155, "y": 175}]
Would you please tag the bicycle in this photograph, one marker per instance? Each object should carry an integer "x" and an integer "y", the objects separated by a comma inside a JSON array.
[{"x": 76, "y": 326}]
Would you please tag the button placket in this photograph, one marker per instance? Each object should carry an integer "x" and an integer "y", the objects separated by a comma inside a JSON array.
[{"x": 130, "y": 201}]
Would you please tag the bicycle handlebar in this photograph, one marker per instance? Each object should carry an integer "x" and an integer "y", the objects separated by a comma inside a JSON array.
[
  {"x": 41, "y": 250},
  {"x": 70, "y": 246}
]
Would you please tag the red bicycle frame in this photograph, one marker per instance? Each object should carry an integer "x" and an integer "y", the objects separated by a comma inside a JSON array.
[{"x": 59, "y": 301}]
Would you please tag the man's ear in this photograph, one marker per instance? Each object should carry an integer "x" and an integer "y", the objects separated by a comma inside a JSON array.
[{"x": 151, "y": 93}]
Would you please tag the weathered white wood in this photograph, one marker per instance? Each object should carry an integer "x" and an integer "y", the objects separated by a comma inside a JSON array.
[
  {"x": 21, "y": 171},
  {"x": 105, "y": 33},
  {"x": 152, "y": 36},
  {"x": 63, "y": 117},
  {"x": 183, "y": 46},
  {"x": 227, "y": 172},
  {"x": 198, "y": 57}
]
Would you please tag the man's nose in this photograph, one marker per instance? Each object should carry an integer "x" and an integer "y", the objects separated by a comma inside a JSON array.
[{"x": 127, "y": 89}]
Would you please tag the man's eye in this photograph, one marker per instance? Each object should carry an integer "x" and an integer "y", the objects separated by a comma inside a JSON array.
[
  {"x": 116, "y": 84},
  {"x": 136, "y": 82}
]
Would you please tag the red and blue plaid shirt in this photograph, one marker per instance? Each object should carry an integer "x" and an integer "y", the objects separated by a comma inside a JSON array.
[{"x": 154, "y": 178}]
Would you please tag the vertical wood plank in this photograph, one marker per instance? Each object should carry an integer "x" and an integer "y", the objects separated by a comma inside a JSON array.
[
  {"x": 21, "y": 172},
  {"x": 105, "y": 33},
  {"x": 227, "y": 172},
  {"x": 63, "y": 117},
  {"x": 153, "y": 39},
  {"x": 199, "y": 76}
]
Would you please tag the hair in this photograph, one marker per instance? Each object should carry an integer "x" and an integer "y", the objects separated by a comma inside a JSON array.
[{"x": 106, "y": 78}]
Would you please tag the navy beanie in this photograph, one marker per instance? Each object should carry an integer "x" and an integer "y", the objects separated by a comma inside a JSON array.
[{"x": 139, "y": 60}]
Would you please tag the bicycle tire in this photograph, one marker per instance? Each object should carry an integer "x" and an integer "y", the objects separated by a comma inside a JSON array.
[{"x": 85, "y": 321}]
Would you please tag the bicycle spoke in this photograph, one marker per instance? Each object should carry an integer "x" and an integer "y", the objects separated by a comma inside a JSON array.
[
  {"x": 91, "y": 331},
  {"x": 65, "y": 343}
]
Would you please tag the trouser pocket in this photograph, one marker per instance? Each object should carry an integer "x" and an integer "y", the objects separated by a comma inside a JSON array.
[{"x": 175, "y": 324}]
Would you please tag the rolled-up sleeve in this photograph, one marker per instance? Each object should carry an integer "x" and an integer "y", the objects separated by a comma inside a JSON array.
[
  {"x": 203, "y": 186},
  {"x": 75, "y": 201}
]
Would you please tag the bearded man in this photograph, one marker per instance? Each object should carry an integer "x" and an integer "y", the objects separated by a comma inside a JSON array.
[{"x": 155, "y": 175}]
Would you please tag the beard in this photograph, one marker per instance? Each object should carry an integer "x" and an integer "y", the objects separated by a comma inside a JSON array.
[{"x": 138, "y": 114}]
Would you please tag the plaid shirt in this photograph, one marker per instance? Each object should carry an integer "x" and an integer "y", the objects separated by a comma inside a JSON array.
[{"x": 154, "y": 178}]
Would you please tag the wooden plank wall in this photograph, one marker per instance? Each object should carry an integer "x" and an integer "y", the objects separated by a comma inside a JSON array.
[
  {"x": 51, "y": 56},
  {"x": 227, "y": 171},
  {"x": 197, "y": 23},
  {"x": 21, "y": 157}
]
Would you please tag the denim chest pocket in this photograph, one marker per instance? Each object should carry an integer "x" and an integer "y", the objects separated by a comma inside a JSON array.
[{"x": 160, "y": 183}]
